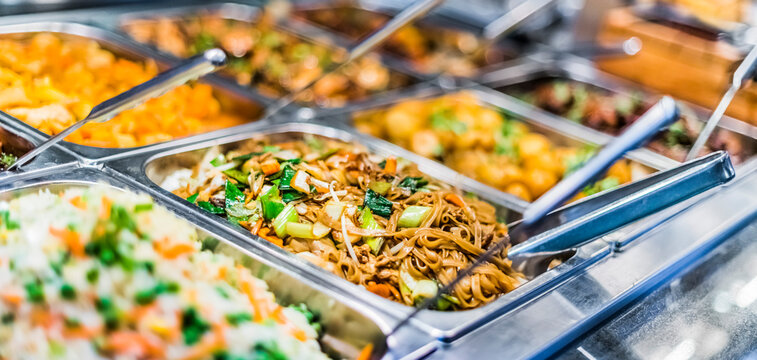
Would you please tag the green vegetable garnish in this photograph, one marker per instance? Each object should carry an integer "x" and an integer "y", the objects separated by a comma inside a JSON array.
[
  {"x": 602, "y": 185},
  {"x": 368, "y": 222},
  {"x": 35, "y": 292},
  {"x": 377, "y": 203},
  {"x": 92, "y": 275},
  {"x": 235, "y": 206},
  {"x": 192, "y": 326},
  {"x": 287, "y": 173},
  {"x": 271, "y": 203},
  {"x": 9, "y": 224},
  {"x": 413, "y": 216},
  {"x": 207, "y": 206},
  {"x": 288, "y": 214},
  {"x": 193, "y": 198},
  {"x": 445, "y": 120},
  {"x": 380, "y": 187},
  {"x": 239, "y": 176},
  {"x": 561, "y": 91},
  {"x": 413, "y": 183},
  {"x": 238, "y": 318},
  {"x": 203, "y": 41},
  {"x": 142, "y": 207},
  {"x": 67, "y": 292},
  {"x": 218, "y": 160},
  {"x": 6, "y": 160}
]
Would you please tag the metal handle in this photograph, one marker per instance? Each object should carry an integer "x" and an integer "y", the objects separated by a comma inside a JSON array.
[
  {"x": 746, "y": 69},
  {"x": 659, "y": 116},
  {"x": 743, "y": 73},
  {"x": 513, "y": 18},
  {"x": 578, "y": 223},
  {"x": 405, "y": 17},
  {"x": 628, "y": 47},
  {"x": 190, "y": 69}
]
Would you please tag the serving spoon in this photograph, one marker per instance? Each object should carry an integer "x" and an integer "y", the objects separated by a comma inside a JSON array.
[
  {"x": 662, "y": 114},
  {"x": 191, "y": 69}
]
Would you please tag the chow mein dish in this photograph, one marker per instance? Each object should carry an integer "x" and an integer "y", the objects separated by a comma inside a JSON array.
[
  {"x": 486, "y": 145},
  {"x": 274, "y": 62},
  {"x": 612, "y": 112},
  {"x": 429, "y": 49},
  {"x": 50, "y": 81},
  {"x": 98, "y": 273},
  {"x": 374, "y": 221}
]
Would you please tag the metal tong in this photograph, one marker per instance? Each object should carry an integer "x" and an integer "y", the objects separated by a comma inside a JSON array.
[
  {"x": 191, "y": 69},
  {"x": 659, "y": 116},
  {"x": 741, "y": 77},
  {"x": 579, "y": 223}
]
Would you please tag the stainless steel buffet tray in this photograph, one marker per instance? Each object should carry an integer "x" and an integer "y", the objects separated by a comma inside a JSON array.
[
  {"x": 348, "y": 325},
  {"x": 244, "y": 104},
  {"x": 150, "y": 167},
  {"x": 557, "y": 131},
  {"x": 248, "y": 14},
  {"x": 503, "y": 50},
  {"x": 522, "y": 75}
]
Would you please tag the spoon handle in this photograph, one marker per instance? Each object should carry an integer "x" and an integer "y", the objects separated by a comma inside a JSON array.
[{"x": 190, "y": 69}]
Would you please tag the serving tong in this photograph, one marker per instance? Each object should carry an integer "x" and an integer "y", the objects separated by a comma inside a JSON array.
[
  {"x": 191, "y": 69},
  {"x": 741, "y": 77},
  {"x": 542, "y": 236}
]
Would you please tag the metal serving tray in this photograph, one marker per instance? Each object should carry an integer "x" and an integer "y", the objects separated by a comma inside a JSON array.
[
  {"x": 428, "y": 23},
  {"x": 554, "y": 130},
  {"x": 522, "y": 75},
  {"x": 244, "y": 104},
  {"x": 149, "y": 167},
  {"x": 348, "y": 325},
  {"x": 248, "y": 14}
]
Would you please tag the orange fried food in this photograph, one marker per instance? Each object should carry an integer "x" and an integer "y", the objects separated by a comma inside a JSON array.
[{"x": 50, "y": 82}]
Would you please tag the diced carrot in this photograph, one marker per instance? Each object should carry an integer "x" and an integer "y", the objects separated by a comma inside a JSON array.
[
  {"x": 272, "y": 238},
  {"x": 173, "y": 251},
  {"x": 455, "y": 199},
  {"x": 78, "y": 202},
  {"x": 256, "y": 228},
  {"x": 105, "y": 209},
  {"x": 365, "y": 354},
  {"x": 71, "y": 239},
  {"x": 391, "y": 165},
  {"x": 133, "y": 343},
  {"x": 81, "y": 332},
  {"x": 382, "y": 290},
  {"x": 41, "y": 317},
  {"x": 270, "y": 166},
  {"x": 12, "y": 296},
  {"x": 222, "y": 271}
]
